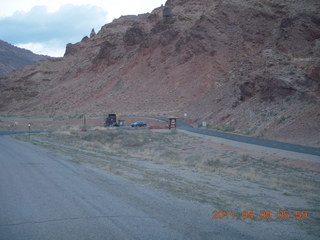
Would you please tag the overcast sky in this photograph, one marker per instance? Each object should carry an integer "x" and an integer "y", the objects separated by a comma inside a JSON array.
[{"x": 46, "y": 26}]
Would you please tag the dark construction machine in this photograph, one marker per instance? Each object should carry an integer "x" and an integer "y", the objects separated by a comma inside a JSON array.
[{"x": 111, "y": 121}]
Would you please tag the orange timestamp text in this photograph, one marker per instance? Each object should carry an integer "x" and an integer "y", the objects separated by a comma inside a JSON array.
[{"x": 263, "y": 214}]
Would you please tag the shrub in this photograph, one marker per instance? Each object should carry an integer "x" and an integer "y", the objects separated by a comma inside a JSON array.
[
  {"x": 227, "y": 128},
  {"x": 245, "y": 157},
  {"x": 281, "y": 119}
]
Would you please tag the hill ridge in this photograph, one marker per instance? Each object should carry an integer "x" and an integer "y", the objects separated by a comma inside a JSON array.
[{"x": 12, "y": 57}]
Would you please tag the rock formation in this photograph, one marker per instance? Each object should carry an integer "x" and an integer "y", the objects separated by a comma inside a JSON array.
[{"x": 93, "y": 33}]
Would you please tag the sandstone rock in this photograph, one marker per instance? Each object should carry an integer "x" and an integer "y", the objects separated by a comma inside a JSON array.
[
  {"x": 93, "y": 33},
  {"x": 71, "y": 49},
  {"x": 133, "y": 36},
  {"x": 85, "y": 38}
]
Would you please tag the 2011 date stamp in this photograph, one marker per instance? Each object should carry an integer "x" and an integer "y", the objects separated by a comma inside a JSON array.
[{"x": 263, "y": 214}]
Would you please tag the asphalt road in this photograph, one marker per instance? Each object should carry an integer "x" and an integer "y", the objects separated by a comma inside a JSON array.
[
  {"x": 246, "y": 139},
  {"x": 44, "y": 196}
]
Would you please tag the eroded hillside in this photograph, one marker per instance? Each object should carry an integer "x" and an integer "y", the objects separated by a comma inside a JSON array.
[{"x": 250, "y": 66}]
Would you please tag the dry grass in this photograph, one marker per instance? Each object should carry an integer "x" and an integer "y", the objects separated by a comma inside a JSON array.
[{"x": 185, "y": 151}]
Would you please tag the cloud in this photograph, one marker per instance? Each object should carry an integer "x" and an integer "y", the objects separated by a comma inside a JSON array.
[
  {"x": 39, "y": 26},
  {"x": 51, "y": 48}
]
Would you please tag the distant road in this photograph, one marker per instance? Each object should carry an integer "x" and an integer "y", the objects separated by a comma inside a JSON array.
[{"x": 246, "y": 139}]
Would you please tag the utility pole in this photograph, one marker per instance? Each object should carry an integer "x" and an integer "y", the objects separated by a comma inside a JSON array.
[{"x": 84, "y": 129}]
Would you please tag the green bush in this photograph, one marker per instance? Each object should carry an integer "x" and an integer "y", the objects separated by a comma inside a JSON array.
[{"x": 227, "y": 128}]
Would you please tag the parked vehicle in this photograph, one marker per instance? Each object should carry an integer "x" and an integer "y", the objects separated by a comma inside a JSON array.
[
  {"x": 111, "y": 121},
  {"x": 139, "y": 124}
]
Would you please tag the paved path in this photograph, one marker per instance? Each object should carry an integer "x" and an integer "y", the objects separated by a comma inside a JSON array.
[
  {"x": 2, "y": 133},
  {"x": 246, "y": 139}
]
